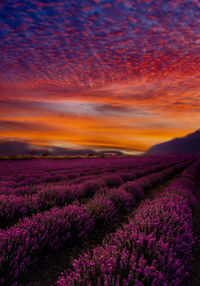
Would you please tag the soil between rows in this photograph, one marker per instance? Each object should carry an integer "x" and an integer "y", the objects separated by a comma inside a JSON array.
[{"x": 47, "y": 271}]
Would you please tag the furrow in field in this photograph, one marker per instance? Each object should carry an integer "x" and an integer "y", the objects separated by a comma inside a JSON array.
[
  {"x": 154, "y": 248},
  {"x": 14, "y": 207},
  {"x": 23, "y": 244},
  {"x": 41, "y": 276},
  {"x": 30, "y": 173},
  {"x": 31, "y": 187}
]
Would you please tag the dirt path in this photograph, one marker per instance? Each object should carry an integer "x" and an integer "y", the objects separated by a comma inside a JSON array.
[
  {"x": 48, "y": 270},
  {"x": 195, "y": 273}
]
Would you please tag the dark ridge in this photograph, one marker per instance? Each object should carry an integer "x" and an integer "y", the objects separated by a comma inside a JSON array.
[{"x": 187, "y": 144}]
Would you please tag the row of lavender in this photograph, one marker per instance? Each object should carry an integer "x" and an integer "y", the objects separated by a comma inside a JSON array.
[
  {"x": 9, "y": 182},
  {"x": 154, "y": 248},
  {"x": 23, "y": 244},
  {"x": 13, "y": 207},
  {"x": 15, "y": 174},
  {"x": 124, "y": 168},
  {"x": 34, "y": 188}
]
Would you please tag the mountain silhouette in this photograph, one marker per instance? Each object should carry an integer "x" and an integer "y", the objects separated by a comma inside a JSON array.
[
  {"x": 14, "y": 148},
  {"x": 186, "y": 144}
]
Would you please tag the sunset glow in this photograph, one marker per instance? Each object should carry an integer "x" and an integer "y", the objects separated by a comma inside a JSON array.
[{"x": 100, "y": 74}]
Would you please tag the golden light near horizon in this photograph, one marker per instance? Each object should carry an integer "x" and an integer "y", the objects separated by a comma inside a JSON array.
[{"x": 106, "y": 83}]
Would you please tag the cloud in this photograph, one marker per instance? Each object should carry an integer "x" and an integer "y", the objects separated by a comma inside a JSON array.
[
  {"x": 113, "y": 108},
  {"x": 77, "y": 44},
  {"x": 79, "y": 69}
]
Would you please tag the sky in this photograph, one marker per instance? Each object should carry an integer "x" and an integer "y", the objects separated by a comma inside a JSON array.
[{"x": 99, "y": 74}]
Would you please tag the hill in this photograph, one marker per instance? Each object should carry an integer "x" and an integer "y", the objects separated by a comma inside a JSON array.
[
  {"x": 186, "y": 144},
  {"x": 14, "y": 148}
]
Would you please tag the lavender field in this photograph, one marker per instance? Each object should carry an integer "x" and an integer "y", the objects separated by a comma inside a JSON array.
[{"x": 99, "y": 221}]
